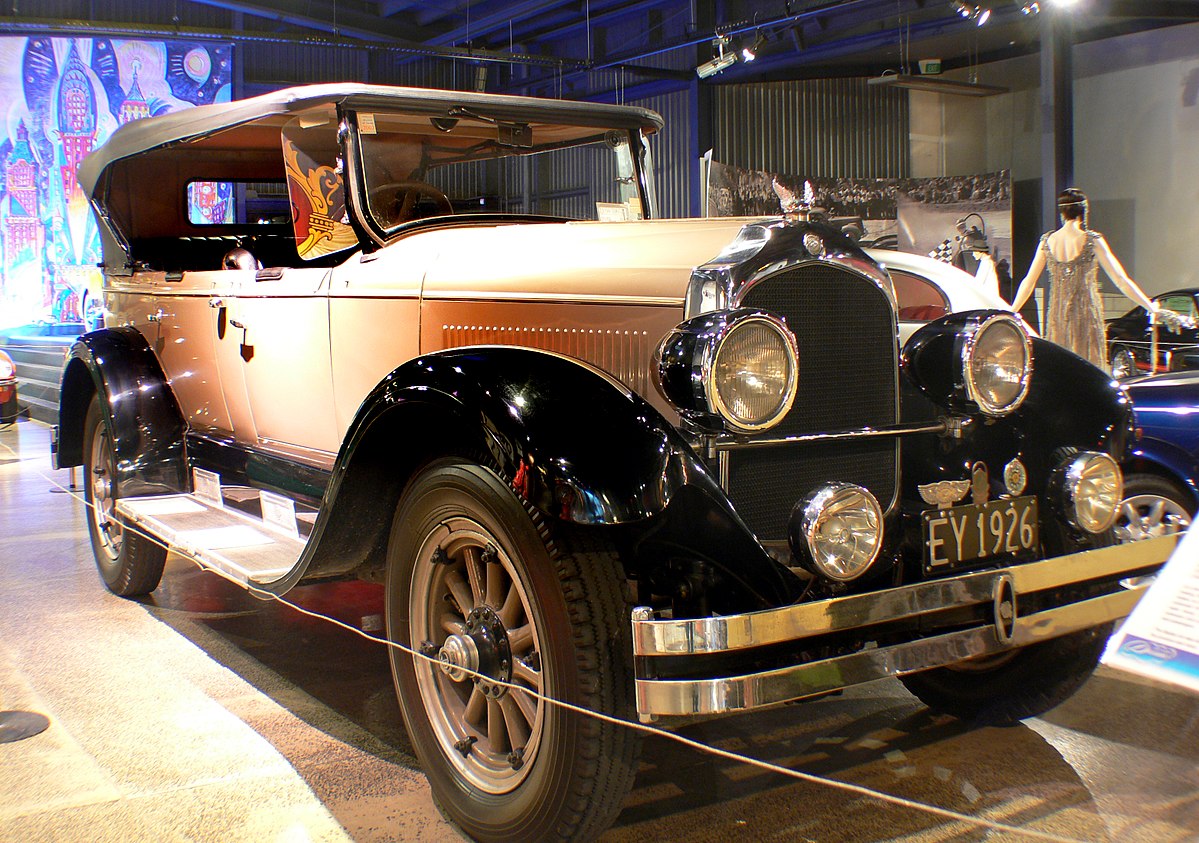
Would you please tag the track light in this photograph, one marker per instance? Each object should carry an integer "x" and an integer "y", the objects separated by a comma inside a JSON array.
[
  {"x": 751, "y": 52},
  {"x": 719, "y": 62},
  {"x": 971, "y": 11}
]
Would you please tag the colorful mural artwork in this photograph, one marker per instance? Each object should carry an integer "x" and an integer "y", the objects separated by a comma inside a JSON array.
[{"x": 64, "y": 97}]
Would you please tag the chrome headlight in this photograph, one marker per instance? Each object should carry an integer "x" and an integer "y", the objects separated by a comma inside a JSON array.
[
  {"x": 837, "y": 531},
  {"x": 1091, "y": 487},
  {"x": 734, "y": 369},
  {"x": 753, "y": 375},
  {"x": 997, "y": 364}
]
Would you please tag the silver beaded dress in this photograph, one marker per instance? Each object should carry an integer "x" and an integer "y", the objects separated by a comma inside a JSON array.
[{"x": 1074, "y": 317}]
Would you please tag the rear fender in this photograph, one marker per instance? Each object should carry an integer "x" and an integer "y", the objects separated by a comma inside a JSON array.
[{"x": 141, "y": 410}]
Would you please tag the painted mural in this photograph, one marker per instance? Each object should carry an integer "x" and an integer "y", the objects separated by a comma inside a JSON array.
[{"x": 63, "y": 98}]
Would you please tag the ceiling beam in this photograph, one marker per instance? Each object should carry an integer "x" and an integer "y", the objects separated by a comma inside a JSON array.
[
  {"x": 496, "y": 20},
  {"x": 324, "y": 16}
]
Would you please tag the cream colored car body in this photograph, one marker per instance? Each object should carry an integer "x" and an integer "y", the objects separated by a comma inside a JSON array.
[{"x": 321, "y": 339}]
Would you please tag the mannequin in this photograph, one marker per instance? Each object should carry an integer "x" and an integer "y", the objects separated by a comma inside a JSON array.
[{"x": 1074, "y": 316}]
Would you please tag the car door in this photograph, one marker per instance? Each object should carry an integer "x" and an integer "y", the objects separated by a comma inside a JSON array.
[{"x": 274, "y": 358}]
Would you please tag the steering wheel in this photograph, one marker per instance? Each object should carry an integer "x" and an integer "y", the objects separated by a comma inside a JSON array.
[{"x": 406, "y": 194}]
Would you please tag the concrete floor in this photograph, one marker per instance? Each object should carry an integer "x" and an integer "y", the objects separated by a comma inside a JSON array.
[{"x": 201, "y": 713}]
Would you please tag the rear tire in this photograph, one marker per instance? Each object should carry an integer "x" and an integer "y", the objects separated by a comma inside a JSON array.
[
  {"x": 999, "y": 690},
  {"x": 129, "y": 563},
  {"x": 475, "y": 580}
]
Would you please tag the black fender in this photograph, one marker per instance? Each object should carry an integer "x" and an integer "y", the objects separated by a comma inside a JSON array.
[
  {"x": 143, "y": 414},
  {"x": 576, "y": 445},
  {"x": 1071, "y": 405}
]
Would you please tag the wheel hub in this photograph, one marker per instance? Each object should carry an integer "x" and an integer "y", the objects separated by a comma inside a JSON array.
[
  {"x": 458, "y": 655},
  {"x": 483, "y": 650}
]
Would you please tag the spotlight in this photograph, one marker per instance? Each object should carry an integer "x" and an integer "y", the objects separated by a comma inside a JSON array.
[
  {"x": 751, "y": 52},
  {"x": 983, "y": 17},
  {"x": 717, "y": 63}
]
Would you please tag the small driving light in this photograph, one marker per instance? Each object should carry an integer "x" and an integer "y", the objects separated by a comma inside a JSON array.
[
  {"x": 1091, "y": 487},
  {"x": 836, "y": 532}
]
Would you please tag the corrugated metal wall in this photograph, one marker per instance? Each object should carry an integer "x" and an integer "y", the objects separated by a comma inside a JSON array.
[
  {"x": 675, "y": 159},
  {"x": 817, "y": 127}
]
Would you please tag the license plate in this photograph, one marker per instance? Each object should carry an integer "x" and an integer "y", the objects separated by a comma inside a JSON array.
[{"x": 1004, "y": 527}]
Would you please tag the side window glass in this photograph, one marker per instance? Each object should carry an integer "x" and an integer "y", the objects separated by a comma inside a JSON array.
[
  {"x": 314, "y": 185},
  {"x": 918, "y": 298},
  {"x": 1179, "y": 304}
]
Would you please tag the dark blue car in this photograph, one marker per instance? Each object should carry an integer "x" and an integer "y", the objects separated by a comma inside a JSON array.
[{"x": 1161, "y": 494}]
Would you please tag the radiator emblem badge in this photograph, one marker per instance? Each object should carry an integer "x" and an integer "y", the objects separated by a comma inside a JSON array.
[{"x": 944, "y": 493}]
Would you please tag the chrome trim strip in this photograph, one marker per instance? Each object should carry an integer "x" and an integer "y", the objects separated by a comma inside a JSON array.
[
  {"x": 791, "y": 623},
  {"x": 941, "y": 426},
  {"x": 710, "y": 696}
]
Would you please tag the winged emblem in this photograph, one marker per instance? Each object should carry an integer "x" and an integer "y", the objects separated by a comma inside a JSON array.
[{"x": 944, "y": 493}]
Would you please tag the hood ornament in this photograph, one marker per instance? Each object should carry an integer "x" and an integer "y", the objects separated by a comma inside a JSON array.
[
  {"x": 795, "y": 209},
  {"x": 944, "y": 493}
]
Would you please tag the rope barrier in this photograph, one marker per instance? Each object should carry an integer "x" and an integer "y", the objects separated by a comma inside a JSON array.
[{"x": 767, "y": 766}]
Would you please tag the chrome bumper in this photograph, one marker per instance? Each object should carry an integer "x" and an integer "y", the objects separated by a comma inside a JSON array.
[{"x": 1007, "y": 629}]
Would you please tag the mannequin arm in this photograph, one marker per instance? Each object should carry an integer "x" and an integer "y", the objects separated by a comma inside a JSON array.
[
  {"x": 1111, "y": 265},
  {"x": 1030, "y": 280}
]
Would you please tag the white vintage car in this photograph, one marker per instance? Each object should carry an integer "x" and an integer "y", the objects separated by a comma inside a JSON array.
[{"x": 648, "y": 468}]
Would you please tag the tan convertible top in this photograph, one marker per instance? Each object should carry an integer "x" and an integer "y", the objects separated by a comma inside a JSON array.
[{"x": 195, "y": 123}]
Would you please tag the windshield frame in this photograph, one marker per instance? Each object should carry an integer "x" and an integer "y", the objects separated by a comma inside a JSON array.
[{"x": 354, "y": 175}]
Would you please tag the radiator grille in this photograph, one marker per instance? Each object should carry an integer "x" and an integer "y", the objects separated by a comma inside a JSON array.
[
  {"x": 622, "y": 354},
  {"x": 845, "y": 329}
]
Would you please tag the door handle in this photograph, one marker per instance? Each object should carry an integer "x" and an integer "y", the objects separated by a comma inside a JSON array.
[{"x": 216, "y": 301}]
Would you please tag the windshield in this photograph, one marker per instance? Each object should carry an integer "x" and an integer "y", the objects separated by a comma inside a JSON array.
[{"x": 416, "y": 167}]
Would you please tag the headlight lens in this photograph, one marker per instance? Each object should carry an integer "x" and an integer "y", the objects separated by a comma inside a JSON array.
[
  {"x": 1093, "y": 488},
  {"x": 997, "y": 365},
  {"x": 836, "y": 532},
  {"x": 7, "y": 369},
  {"x": 753, "y": 375}
]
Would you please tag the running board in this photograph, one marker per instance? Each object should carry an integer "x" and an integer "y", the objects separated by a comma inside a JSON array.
[{"x": 247, "y": 549}]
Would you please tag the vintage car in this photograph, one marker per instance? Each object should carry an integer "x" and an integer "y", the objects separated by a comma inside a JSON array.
[
  {"x": 649, "y": 468},
  {"x": 9, "y": 408},
  {"x": 1130, "y": 338},
  {"x": 927, "y": 289},
  {"x": 1161, "y": 472}
]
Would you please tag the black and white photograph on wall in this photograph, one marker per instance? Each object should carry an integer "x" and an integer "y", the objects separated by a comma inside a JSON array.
[
  {"x": 965, "y": 221},
  {"x": 863, "y": 208},
  {"x": 962, "y": 220}
]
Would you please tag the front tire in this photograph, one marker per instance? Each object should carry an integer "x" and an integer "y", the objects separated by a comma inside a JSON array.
[
  {"x": 129, "y": 563},
  {"x": 474, "y": 581},
  {"x": 1002, "y": 689}
]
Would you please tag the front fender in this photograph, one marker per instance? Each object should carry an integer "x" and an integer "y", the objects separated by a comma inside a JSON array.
[
  {"x": 575, "y": 444},
  {"x": 142, "y": 413}
]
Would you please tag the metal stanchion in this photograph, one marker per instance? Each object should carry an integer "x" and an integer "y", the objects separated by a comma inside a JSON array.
[{"x": 1153, "y": 343}]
